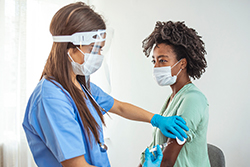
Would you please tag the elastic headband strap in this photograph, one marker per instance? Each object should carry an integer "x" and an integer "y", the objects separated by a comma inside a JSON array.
[{"x": 63, "y": 38}]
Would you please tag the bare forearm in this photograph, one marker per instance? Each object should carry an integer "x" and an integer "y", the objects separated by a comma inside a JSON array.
[
  {"x": 131, "y": 112},
  {"x": 170, "y": 153},
  {"x": 76, "y": 162}
]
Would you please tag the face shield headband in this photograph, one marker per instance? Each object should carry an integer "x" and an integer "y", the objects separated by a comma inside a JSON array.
[{"x": 82, "y": 38}]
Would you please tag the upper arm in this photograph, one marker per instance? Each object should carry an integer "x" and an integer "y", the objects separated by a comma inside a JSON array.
[
  {"x": 116, "y": 108},
  {"x": 193, "y": 110},
  {"x": 170, "y": 153},
  {"x": 76, "y": 162}
]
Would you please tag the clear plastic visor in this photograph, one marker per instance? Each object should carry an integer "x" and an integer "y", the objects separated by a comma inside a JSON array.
[
  {"x": 93, "y": 42},
  {"x": 101, "y": 77}
]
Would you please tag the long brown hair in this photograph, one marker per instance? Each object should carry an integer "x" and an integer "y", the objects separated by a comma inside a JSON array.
[{"x": 75, "y": 17}]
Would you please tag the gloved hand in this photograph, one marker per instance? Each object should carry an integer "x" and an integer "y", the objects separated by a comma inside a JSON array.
[
  {"x": 151, "y": 160},
  {"x": 171, "y": 127}
]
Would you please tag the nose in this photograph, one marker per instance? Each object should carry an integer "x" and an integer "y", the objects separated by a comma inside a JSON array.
[
  {"x": 99, "y": 52},
  {"x": 156, "y": 64}
]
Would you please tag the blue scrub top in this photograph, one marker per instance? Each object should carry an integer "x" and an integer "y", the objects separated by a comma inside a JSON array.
[{"x": 54, "y": 129}]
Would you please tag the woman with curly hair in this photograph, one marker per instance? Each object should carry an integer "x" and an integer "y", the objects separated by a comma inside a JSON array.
[{"x": 178, "y": 56}]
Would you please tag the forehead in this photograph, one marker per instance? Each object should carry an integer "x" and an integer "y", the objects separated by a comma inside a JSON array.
[{"x": 163, "y": 50}]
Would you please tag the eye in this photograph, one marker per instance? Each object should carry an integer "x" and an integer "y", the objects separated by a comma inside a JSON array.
[
  {"x": 91, "y": 48},
  {"x": 153, "y": 61},
  {"x": 163, "y": 61}
]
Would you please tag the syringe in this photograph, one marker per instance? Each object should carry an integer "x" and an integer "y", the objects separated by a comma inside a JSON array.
[
  {"x": 161, "y": 145},
  {"x": 167, "y": 143}
]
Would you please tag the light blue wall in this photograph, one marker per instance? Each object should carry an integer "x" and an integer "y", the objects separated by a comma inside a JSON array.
[{"x": 224, "y": 26}]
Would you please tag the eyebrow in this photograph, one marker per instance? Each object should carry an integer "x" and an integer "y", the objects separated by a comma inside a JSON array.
[{"x": 160, "y": 56}]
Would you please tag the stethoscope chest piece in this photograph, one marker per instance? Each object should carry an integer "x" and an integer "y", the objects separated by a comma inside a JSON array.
[{"x": 103, "y": 147}]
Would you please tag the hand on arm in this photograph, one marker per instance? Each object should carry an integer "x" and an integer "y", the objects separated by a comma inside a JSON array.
[
  {"x": 76, "y": 162},
  {"x": 171, "y": 127}
]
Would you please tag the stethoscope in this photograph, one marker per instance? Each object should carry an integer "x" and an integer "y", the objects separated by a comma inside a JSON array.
[{"x": 103, "y": 147}]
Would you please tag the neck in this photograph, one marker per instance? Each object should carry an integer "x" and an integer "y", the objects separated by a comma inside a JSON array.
[
  {"x": 179, "y": 84},
  {"x": 76, "y": 83}
]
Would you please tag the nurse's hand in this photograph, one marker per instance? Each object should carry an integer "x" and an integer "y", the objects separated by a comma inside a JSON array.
[
  {"x": 170, "y": 127},
  {"x": 151, "y": 160}
]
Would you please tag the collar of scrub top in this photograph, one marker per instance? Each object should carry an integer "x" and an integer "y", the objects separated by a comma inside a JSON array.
[
  {"x": 82, "y": 38},
  {"x": 103, "y": 146}
]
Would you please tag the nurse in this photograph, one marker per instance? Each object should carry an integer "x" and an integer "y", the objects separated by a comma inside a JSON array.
[{"x": 64, "y": 115}]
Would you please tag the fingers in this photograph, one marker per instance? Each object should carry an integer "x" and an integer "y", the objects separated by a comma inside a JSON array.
[
  {"x": 176, "y": 133},
  {"x": 174, "y": 128},
  {"x": 147, "y": 155},
  {"x": 182, "y": 125},
  {"x": 181, "y": 131},
  {"x": 159, "y": 155},
  {"x": 158, "y": 151},
  {"x": 167, "y": 134},
  {"x": 152, "y": 155},
  {"x": 180, "y": 119}
]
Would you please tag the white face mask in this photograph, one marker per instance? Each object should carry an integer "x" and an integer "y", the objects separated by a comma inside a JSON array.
[
  {"x": 92, "y": 62},
  {"x": 163, "y": 75}
]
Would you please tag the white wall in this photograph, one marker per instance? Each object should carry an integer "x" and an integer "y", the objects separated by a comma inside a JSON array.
[{"x": 224, "y": 26}]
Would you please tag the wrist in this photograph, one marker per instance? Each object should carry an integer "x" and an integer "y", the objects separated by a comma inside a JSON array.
[{"x": 154, "y": 121}]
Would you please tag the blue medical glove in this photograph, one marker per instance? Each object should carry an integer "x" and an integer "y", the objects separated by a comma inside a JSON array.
[
  {"x": 171, "y": 127},
  {"x": 151, "y": 160}
]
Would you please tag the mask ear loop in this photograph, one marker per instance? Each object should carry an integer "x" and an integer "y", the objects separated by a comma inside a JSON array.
[
  {"x": 175, "y": 65},
  {"x": 87, "y": 77},
  {"x": 81, "y": 52},
  {"x": 178, "y": 72},
  {"x": 70, "y": 57}
]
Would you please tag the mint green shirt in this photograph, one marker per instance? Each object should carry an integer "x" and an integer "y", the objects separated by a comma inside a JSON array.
[{"x": 192, "y": 106}]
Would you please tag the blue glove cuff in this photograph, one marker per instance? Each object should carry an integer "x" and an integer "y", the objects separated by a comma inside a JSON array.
[{"x": 155, "y": 120}]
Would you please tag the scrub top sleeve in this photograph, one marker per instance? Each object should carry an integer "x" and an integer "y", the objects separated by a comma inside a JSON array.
[
  {"x": 60, "y": 130},
  {"x": 192, "y": 110},
  {"x": 103, "y": 99}
]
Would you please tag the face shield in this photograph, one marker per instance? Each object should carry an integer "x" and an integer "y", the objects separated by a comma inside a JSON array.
[
  {"x": 102, "y": 76},
  {"x": 95, "y": 47}
]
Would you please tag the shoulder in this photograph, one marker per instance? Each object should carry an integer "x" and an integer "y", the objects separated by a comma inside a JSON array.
[
  {"x": 103, "y": 99},
  {"x": 49, "y": 91},
  {"x": 192, "y": 103},
  {"x": 96, "y": 91},
  {"x": 194, "y": 95},
  {"x": 52, "y": 89},
  {"x": 95, "y": 88}
]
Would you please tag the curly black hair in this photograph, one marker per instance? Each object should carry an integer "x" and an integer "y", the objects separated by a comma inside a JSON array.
[{"x": 185, "y": 42}]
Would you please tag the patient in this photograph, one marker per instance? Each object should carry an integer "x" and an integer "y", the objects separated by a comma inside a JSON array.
[{"x": 178, "y": 56}]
